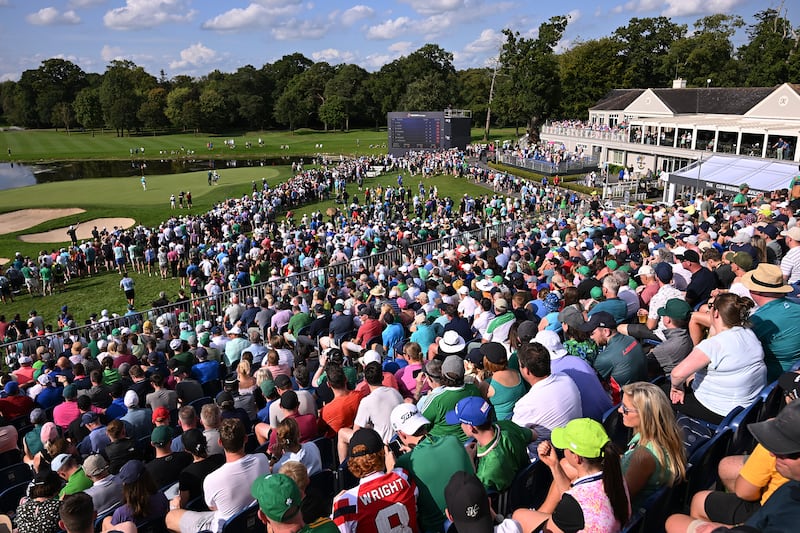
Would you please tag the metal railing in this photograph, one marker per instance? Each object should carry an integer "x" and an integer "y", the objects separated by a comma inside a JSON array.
[
  {"x": 586, "y": 133},
  {"x": 543, "y": 167},
  {"x": 210, "y": 308}
]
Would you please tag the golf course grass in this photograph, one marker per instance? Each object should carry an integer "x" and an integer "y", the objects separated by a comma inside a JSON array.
[{"x": 124, "y": 197}]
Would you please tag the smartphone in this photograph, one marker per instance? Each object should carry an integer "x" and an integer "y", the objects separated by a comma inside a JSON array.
[
  {"x": 394, "y": 446},
  {"x": 416, "y": 373}
]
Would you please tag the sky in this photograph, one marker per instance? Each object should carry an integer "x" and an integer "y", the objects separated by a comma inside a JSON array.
[{"x": 195, "y": 37}]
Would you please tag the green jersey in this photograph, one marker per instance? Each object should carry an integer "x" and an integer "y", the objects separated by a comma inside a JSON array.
[
  {"x": 507, "y": 453},
  {"x": 435, "y": 405}
]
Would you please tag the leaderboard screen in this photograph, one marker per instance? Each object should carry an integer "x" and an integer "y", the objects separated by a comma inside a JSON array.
[{"x": 415, "y": 132}]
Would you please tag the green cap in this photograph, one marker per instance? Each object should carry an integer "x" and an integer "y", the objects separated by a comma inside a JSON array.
[
  {"x": 584, "y": 270},
  {"x": 596, "y": 293},
  {"x": 183, "y": 317},
  {"x": 612, "y": 264},
  {"x": 70, "y": 391},
  {"x": 267, "y": 387},
  {"x": 204, "y": 338},
  {"x": 582, "y": 436},
  {"x": 497, "y": 279},
  {"x": 277, "y": 495},
  {"x": 488, "y": 273},
  {"x": 135, "y": 328},
  {"x": 115, "y": 332},
  {"x": 422, "y": 273},
  {"x": 161, "y": 435},
  {"x": 676, "y": 308}
]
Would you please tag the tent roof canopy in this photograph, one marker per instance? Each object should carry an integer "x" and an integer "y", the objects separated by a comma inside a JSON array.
[{"x": 726, "y": 173}]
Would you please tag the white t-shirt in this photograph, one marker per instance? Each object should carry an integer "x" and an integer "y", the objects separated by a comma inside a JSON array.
[
  {"x": 227, "y": 489},
  {"x": 550, "y": 403},
  {"x": 375, "y": 410},
  {"x": 736, "y": 373},
  {"x": 308, "y": 454}
]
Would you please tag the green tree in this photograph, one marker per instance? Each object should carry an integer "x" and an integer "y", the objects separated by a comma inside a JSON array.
[
  {"x": 430, "y": 92},
  {"x": 293, "y": 108},
  {"x": 280, "y": 74},
  {"x": 62, "y": 114},
  {"x": 645, "y": 45},
  {"x": 88, "y": 110},
  {"x": 347, "y": 86},
  {"x": 529, "y": 89},
  {"x": 473, "y": 86},
  {"x": 151, "y": 112},
  {"x": 771, "y": 55},
  {"x": 121, "y": 94},
  {"x": 214, "y": 109},
  {"x": 332, "y": 111},
  {"x": 176, "y": 103},
  {"x": 708, "y": 53},
  {"x": 588, "y": 71}
]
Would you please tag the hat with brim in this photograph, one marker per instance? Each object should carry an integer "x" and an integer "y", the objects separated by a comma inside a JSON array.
[
  {"x": 406, "y": 417},
  {"x": 278, "y": 497},
  {"x": 484, "y": 285},
  {"x": 601, "y": 319},
  {"x": 451, "y": 342},
  {"x": 378, "y": 290},
  {"x": 582, "y": 436},
  {"x": 550, "y": 340},
  {"x": 766, "y": 278},
  {"x": 468, "y": 503},
  {"x": 676, "y": 308},
  {"x": 781, "y": 435}
]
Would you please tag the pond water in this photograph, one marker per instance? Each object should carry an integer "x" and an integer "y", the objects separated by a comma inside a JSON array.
[{"x": 13, "y": 175}]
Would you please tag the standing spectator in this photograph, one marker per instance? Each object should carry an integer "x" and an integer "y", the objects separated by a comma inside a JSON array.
[{"x": 127, "y": 285}]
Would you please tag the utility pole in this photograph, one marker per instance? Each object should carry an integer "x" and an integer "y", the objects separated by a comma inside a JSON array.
[{"x": 489, "y": 106}]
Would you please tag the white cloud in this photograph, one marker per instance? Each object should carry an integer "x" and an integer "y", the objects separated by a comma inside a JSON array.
[
  {"x": 488, "y": 41},
  {"x": 50, "y": 16},
  {"x": 374, "y": 62},
  {"x": 401, "y": 47},
  {"x": 684, "y": 8},
  {"x": 333, "y": 56},
  {"x": 296, "y": 29},
  {"x": 195, "y": 56},
  {"x": 389, "y": 29},
  {"x": 142, "y": 14},
  {"x": 260, "y": 14},
  {"x": 428, "y": 7},
  {"x": 85, "y": 3},
  {"x": 356, "y": 13},
  {"x": 574, "y": 16},
  {"x": 110, "y": 53}
]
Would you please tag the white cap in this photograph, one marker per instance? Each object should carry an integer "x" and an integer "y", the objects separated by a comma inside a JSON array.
[
  {"x": 175, "y": 344},
  {"x": 370, "y": 356},
  {"x": 235, "y": 330},
  {"x": 463, "y": 289},
  {"x": 550, "y": 340},
  {"x": 406, "y": 418},
  {"x": 131, "y": 399},
  {"x": 59, "y": 462},
  {"x": 645, "y": 270}
]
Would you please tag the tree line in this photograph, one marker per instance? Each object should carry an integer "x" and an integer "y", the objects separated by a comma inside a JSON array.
[{"x": 530, "y": 83}]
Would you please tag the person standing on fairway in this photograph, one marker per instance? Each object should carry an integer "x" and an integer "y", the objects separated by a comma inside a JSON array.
[{"x": 144, "y": 183}]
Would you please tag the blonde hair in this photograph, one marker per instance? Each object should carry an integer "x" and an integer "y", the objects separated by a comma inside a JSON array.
[
  {"x": 263, "y": 374},
  {"x": 657, "y": 425},
  {"x": 298, "y": 472},
  {"x": 243, "y": 369}
]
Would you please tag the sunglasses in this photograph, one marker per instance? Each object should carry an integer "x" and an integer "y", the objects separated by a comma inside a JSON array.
[
  {"x": 626, "y": 411},
  {"x": 710, "y": 304}
]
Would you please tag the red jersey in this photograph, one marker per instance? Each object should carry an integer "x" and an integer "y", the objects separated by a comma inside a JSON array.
[{"x": 381, "y": 503}]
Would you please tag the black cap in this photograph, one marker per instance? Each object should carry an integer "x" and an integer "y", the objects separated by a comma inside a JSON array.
[
  {"x": 194, "y": 441},
  {"x": 601, "y": 319},
  {"x": 494, "y": 352},
  {"x": 365, "y": 441},
  {"x": 468, "y": 503}
]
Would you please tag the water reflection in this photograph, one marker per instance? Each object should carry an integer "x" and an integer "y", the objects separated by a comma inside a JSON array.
[{"x": 14, "y": 175}]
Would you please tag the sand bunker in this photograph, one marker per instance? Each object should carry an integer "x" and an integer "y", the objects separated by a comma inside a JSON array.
[
  {"x": 84, "y": 230},
  {"x": 28, "y": 218},
  {"x": 4, "y": 260}
]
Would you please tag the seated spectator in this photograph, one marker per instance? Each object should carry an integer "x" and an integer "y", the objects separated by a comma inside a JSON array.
[
  {"x": 190, "y": 479},
  {"x": 469, "y": 507},
  {"x": 446, "y": 381},
  {"x": 597, "y": 500},
  {"x": 728, "y": 368},
  {"x": 677, "y": 342},
  {"x": 97, "y": 439},
  {"x": 211, "y": 418},
  {"x": 228, "y": 409},
  {"x": 161, "y": 395},
  {"x": 621, "y": 358},
  {"x": 279, "y": 506},
  {"x": 106, "y": 489},
  {"x": 316, "y": 506},
  {"x": 655, "y": 456},
  {"x": 505, "y": 386},
  {"x": 501, "y": 446},
  {"x": 121, "y": 449},
  {"x": 612, "y": 303},
  {"x": 341, "y": 411},
  {"x": 167, "y": 466},
  {"x": 290, "y": 408},
  {"x": 780, "y": 511},
  {"x": 39, "y": 510},
  {"x": 388, "y": 379},
  {"x": 142, "y": 501},
  {"x": 70, "y": 471},
  {"x": 377, "y": 488},
  {"x": 553, "y": 399},
  {"x": 288, "y": 447},
  {"x": 31, "y": 441},
  {"x": 577, "y": 342},
  {"x": 138, "y": 421},
  {"x": 15, "y": 404}
]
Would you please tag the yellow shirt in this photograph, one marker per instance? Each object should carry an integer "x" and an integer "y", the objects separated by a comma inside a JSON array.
[{"x": 759, "y": 470}]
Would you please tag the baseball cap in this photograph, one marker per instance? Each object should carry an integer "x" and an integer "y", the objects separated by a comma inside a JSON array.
[
  {"x": 663, "y": 272},
  {"x": 370, "y": 356},
  {"x": 472, "y": 410},
  {"x": 582, "y": 436},
  {"x": 406, "y": 417},
  {"x": 793, "y": 233},
  {"x": 194, "y": 441},
  {"x": 59, "y": 462},
  {"x": 495, "y": 352},
  {"x": 645, "y": 270},
  {"x": 131, "y": 399},
  {"x": 453, "y": 367},
  {"x": 676, "y": 308},
  {"x": 781, "y": 435},
  {"x": 25, "y": 360},
  {"x": 70, "y": 391},
  {"x": 95, "y": 465},
  {"x": 11, "y": 388},
  {"x": 601, "y": 319},
  {"x": 501, "y": 305},
  {"x": 89, "y": 418},
  {"x": 743, "y": 260},
  {"x": 161, "y": 435},
  {"x": 691, "y": 256},
  {"x": 277, "y": 495},
  {"x": 289, "y": 400},
  {"x": 235, "y": 330},
  {"x": 160, "y": 414},
  {"x": 365, "y": 441},
  {"x": 224, "y": 399},
  {"x": 44, "y": 379},
  {"x": 131, "y": 472},
  {"x": 468, "y": 503},
  {"x": 434, "y": 368},
  {"x": 790, "y": 383},
  {"x": 527, "y": 329},
  {"x": 282, "y": 381},
  {"x": 571, "y": 316},
  {"x": 175, "y": 344},
  {"x": 550, "y": 340},
  {"x": 584, "y": 270}
]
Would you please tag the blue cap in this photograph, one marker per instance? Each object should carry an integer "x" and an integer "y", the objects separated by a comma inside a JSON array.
[{"x": 472, "y": 410}]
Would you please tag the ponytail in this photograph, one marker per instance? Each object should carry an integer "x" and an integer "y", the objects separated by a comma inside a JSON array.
[{"x": 614, "y": 483}]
